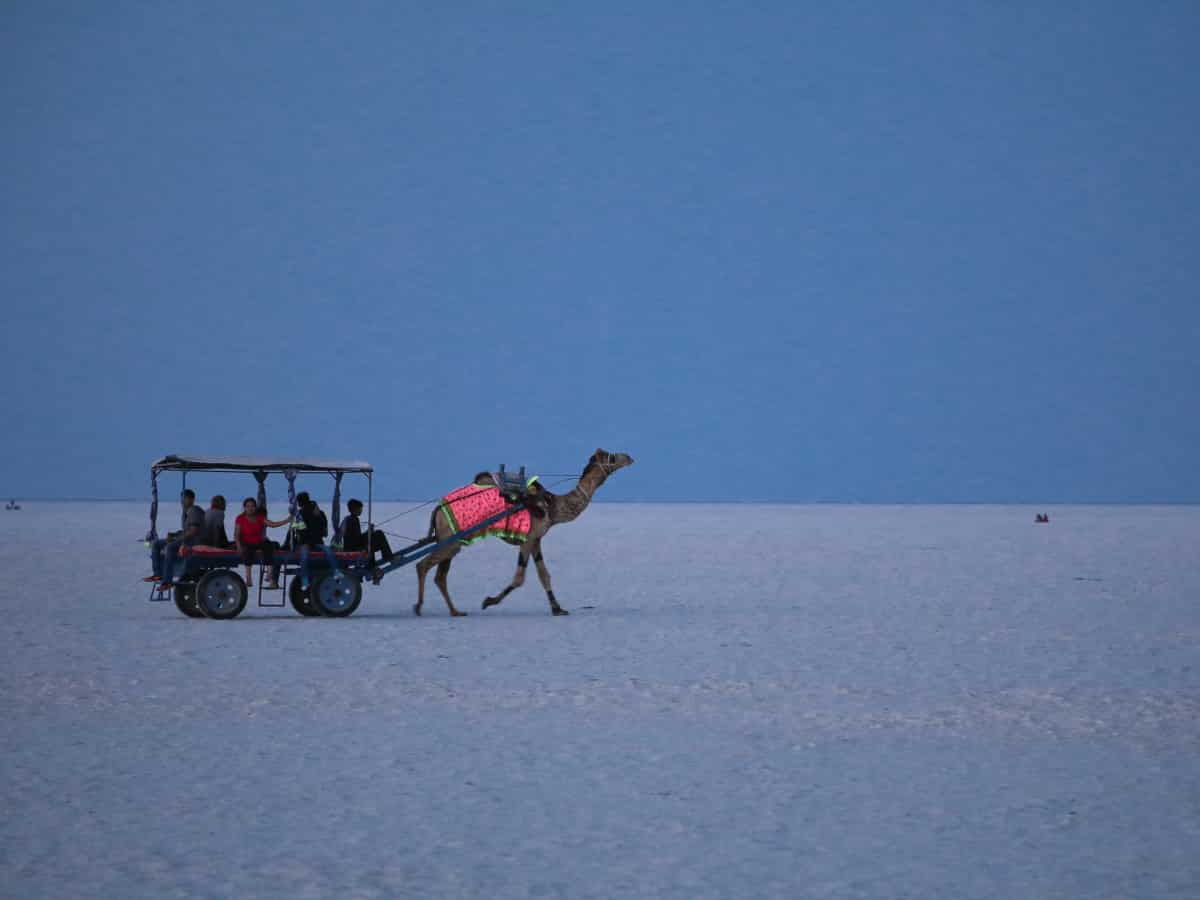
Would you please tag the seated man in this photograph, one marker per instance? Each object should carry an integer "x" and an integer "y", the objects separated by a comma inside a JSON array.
[
  {"x": 354, "y": 540},
  {"x": 165, "y": 553}
]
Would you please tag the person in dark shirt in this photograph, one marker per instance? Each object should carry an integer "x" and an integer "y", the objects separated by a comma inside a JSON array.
[
  {"x": 165, "y": 553},
  {"x": 313, "y": 527},
  {"x": 308, "y": 532},
  {"x": 214, "y": 524},
  {"x": 354, "y": 540}
]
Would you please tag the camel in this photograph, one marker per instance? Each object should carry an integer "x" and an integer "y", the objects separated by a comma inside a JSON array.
[{"x": 547, "y": 510}]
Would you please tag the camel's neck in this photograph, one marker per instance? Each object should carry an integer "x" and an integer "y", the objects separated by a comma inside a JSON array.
[{"x": 569, "y": 506}]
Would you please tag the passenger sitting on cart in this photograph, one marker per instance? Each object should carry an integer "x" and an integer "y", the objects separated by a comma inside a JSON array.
[
  {"x": 214, "y": 524},
  {"x": 164, "y": 552},
  {"x": 250, "y": 535},
  {"x": 308, "y": 531},
  {"x": 354, "y": 540}
]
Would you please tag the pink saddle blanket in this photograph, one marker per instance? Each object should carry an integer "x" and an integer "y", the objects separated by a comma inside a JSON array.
[{"x": 470, "y": 505}]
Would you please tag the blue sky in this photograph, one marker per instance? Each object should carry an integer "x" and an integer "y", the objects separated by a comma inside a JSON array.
[{"x": 898, "y": 252}]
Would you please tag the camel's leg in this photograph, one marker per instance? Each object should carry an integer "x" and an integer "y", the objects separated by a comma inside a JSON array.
[
  {"x": 443, "y": 570},
  {"x": 517, "y": 581},
  {"x": 439, "y": 530},
  {"x": 423, "y": 567},
  {"x": 544, "y": 578}
]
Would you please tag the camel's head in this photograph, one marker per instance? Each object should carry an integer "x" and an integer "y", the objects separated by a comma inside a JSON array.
[{"x": 608, "y": 462}]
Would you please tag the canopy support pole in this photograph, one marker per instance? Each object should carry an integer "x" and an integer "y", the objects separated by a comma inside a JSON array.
[
  {"x": 290, "y": 475},
  {"x": 337, "y": 501},
  {"x": 153, "y": 535},
  {"x": 261, "y": 477}
]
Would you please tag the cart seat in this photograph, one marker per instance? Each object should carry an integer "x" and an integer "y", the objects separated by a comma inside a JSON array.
[{"x": 230, "y": 554}]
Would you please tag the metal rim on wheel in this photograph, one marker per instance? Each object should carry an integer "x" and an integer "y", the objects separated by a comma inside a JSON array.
[
  {"x": 221, "y": 594},
  {"x": 337, "y": 593}
]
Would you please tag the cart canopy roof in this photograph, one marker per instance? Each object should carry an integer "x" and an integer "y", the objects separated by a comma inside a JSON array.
[{"x": 177, "y": 463}]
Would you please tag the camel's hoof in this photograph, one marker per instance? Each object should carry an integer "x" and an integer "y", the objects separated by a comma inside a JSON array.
[
  {"x": 457, "y": 614},
  {"x": 416, "y": 609},
  {"x": 559, "y": 611},
  {"x": 490, "y": 601}
]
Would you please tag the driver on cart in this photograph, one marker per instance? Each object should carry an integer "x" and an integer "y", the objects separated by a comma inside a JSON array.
[{"x": 353, "y": 539}]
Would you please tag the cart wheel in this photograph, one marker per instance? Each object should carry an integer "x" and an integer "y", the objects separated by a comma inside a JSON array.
[
  {"x": 221, "y": 594},
  {"x": 185, "y": 601},
  {"x": 301, "y": 601},
  {"x": 337, "y": 594}
]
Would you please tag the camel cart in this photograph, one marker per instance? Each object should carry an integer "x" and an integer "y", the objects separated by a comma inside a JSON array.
[{"x": 210, "y": 585}]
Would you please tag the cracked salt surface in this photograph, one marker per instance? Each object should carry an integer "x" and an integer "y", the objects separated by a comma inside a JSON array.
[{"x": 748, "y": 701}]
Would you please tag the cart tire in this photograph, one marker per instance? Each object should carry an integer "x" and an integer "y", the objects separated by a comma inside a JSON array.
[
  {"x": 337, "y": 594},
  {"x": 301, "y": 599},
  {"x": 185, "y": 601},
  {"x": 221, "y": 594}
]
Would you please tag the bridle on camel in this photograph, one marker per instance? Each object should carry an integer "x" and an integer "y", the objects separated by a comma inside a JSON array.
[
  {"x": 609, "y": 467},
  {"x": 606, "y": 468}
]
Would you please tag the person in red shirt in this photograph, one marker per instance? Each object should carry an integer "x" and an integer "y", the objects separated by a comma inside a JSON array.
[{"x": 250, "y": 535}]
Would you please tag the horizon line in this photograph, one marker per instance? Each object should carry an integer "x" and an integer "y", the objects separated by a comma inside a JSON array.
[{"x": 715, "y": 502}]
